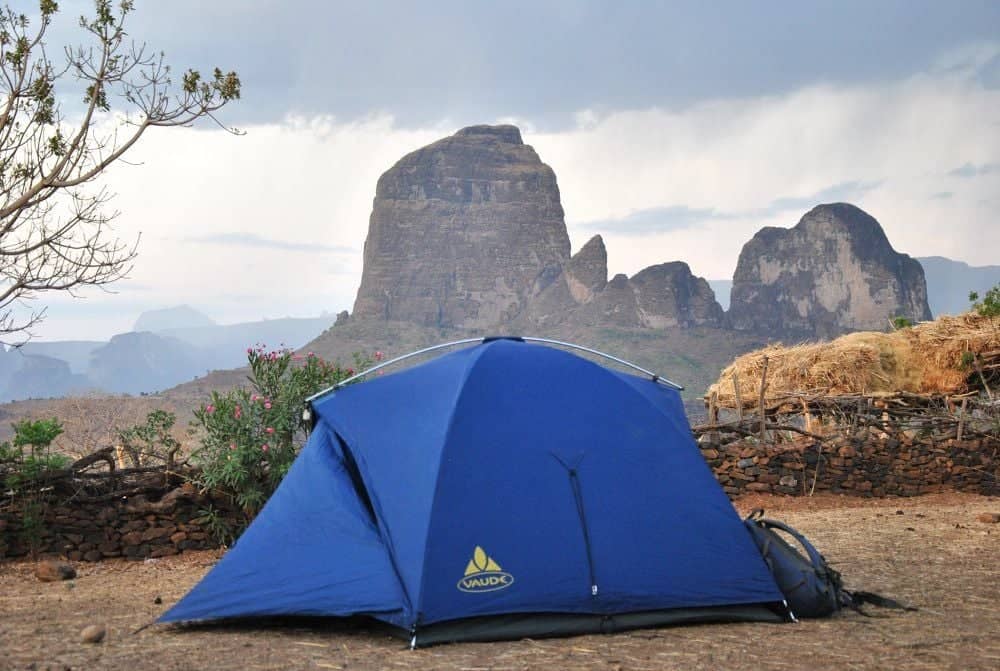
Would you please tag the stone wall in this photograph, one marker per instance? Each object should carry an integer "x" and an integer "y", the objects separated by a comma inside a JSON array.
[
  {"x": 875, "y": 468},
  {"x": 135, "y": 527},
  {"x": 170, "y": 520}
]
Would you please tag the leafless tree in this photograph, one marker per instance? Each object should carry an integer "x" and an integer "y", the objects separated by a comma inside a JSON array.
[{"x": 54, "y": 217}]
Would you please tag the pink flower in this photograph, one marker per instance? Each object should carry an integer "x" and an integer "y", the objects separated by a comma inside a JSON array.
[
  {"x": 249, "y": 350},
  {"x": 263, "y": 448},
  {"x": 267, "y": 405},
  {"x": 232, "y": 446},
  {"x": 269, "y": 430},
  {"x": 350, "y": 371},
  {"x": 379, "y": 356},
  {"x": 210, "y": 408},
  {"x": 310, "y": 355},
  {"x": 238, "y": 412}
]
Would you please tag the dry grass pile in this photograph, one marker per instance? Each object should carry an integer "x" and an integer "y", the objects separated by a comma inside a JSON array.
[{"x": 932, "y": 357}]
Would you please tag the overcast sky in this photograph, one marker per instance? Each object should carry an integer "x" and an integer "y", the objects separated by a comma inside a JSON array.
[{"x": 676, "y": 130}]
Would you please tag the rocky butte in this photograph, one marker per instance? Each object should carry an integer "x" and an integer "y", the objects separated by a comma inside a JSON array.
[
  {"x": 468, "y": 232},
  {"x": 463, "y": 232},
  {"x": 834, "y": 272}
]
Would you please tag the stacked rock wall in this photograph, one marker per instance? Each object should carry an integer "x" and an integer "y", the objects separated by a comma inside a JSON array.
[
  {"x": 133, "y": 527},
  {"x": 149, "y": 525},
  {"x": 885, "y": 468}
]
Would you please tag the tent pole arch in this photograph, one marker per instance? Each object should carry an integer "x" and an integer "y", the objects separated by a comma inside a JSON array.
[
  {"x": 654, "y": 376},
  {"x": 468, "y": 341}
]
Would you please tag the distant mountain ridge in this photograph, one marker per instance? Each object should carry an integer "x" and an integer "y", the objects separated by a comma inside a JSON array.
[
  {"x": 949, "y": 283},
  {"x": 145, "y": 361},
  {"x": 182, "y": 316}
]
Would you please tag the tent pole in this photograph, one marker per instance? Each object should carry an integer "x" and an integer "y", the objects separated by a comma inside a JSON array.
[
  {"x": 656, "y": 378},
  {"x": 371, "y": 370},
  {"x": 467, "y": 341}
]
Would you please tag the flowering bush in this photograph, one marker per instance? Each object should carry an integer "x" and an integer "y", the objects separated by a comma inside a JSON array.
[{"x": 250, "y": 436}]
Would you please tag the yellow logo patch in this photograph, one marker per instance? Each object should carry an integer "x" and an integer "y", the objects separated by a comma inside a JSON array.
[{"x": 483, "y": 574}]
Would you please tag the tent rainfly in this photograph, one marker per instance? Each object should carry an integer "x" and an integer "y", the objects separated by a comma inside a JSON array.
[{"x": 504, "y": 490}]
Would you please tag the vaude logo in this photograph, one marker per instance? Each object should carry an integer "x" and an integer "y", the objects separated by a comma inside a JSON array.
[
  {"x": 486, "y": 582},
  {"x": 483, "y": 574}
]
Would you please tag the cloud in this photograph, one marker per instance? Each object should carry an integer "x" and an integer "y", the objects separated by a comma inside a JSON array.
[
  {"x": 652, "y": 220},
  {"x": 659, "y": 220},
  {"x": 661, "y": 183},
  {"x": 251, "y": 240},
  {"x": 989, "y": 73},
  {"x": 423, "y": 62},
  {"x": 838, "y": 193},
  {"x": 971, "y": 170},
  {"x": 726, "y": 168}
]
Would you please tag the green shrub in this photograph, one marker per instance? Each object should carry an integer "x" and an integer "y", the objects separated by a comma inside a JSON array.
[
  {"x": 250, "y": 436},
  {"x": 900, "y": 323},
  {"x": 24, "y": 469},
  {"x": 989, "y": 306},
  {"x": 153, "y": 438},
  {"x": 26, "y": 466}
]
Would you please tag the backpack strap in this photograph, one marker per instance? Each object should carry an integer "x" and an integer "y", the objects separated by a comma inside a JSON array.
[
  {"x": 855, "y": 600},
  {"x": 815, "y": 558}
]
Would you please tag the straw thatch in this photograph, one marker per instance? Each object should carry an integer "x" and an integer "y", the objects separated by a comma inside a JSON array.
[{"x": 944, "y": 356}]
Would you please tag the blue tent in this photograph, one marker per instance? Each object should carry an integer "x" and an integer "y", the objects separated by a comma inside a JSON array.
[{"x": 504, "y": 490}]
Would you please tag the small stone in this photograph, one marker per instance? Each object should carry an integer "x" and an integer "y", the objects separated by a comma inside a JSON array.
[
  {"x": 93, "y": 634},
  {"x": 989, "y": 518},
  {"x": 158, "y": 600},
  {"x": 54, "y": 571}
]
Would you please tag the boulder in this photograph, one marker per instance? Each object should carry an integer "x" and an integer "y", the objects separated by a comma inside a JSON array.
[{"x": 54, "y": 571}]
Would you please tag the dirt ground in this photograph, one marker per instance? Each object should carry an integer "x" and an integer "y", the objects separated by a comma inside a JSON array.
[{"x": 929, "y": 551}]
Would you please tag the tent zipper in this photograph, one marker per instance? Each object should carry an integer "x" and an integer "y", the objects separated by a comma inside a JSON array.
[{"x": 574, "y": 482}]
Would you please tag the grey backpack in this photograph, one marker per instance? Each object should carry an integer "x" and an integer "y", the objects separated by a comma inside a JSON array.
[{"x": 810, "y": 585}]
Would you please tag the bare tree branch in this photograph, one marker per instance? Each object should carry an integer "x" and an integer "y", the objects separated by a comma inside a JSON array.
[{"x": 55, "y": 228}]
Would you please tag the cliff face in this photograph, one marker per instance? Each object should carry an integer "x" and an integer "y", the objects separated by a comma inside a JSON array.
[
  {"x": 670, "y": 295},
  {"x": 834, "y": 272},
  {"x": 463, "y": 233},
  {"x": 468, "y": 232},
  {"x": 662, "y": 296}
]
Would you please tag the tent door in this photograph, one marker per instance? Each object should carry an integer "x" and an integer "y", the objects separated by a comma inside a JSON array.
[{"x": 574, "y": 483}]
